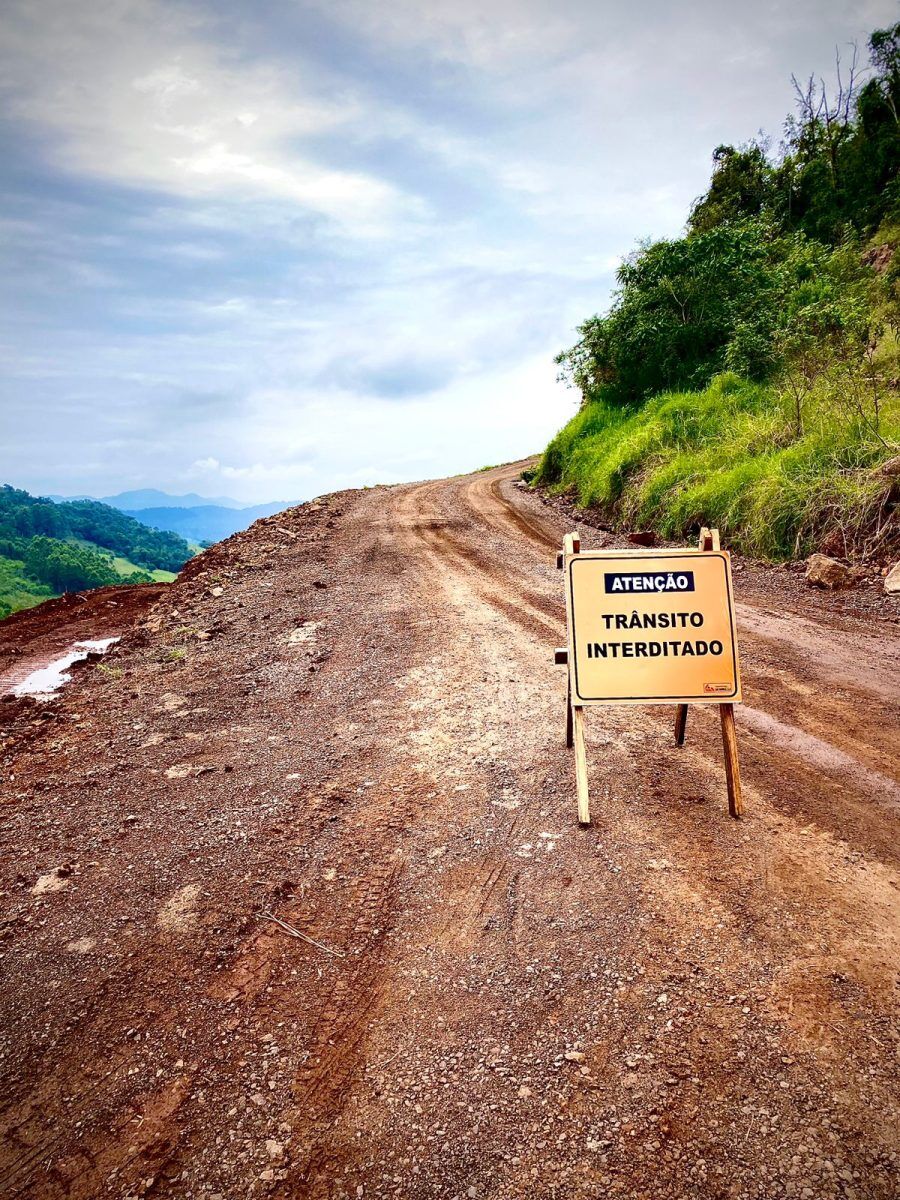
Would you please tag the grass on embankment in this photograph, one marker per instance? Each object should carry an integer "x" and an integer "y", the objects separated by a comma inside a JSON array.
[{"x": 729, "y": 456}]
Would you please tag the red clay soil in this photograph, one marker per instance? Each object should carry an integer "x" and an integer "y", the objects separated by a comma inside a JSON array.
[
  {"x": 348, "y": 718},
  {"x": 40, "y": 633}
]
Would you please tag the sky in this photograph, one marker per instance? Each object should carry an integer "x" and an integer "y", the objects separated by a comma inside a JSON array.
[{"x": 274, "y": 249}]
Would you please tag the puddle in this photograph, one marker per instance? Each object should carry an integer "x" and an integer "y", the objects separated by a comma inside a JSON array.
[{"x": 46, "y": 681}]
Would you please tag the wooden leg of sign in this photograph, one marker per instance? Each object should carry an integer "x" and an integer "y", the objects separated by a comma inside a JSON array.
[
  {"x": 732, "y": 766},
  {"x": 581, "y": 774},
  {"x": 570, "y": 742},
  {"x": 680, "y": 723}
]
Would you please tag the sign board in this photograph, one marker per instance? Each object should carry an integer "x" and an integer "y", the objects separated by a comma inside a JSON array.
[{"x": 648, "y": 627}]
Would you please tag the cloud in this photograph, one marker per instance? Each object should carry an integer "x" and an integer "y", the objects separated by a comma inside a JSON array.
[
  {"x": 205, "y": 466},
  {"x": 488, "y": 37},
  {"x": 140, "y": 94},
  {"x": 318, "y": 243},
  {"x": 254, "y": 473},
  {"x": 400, "y": 378}
]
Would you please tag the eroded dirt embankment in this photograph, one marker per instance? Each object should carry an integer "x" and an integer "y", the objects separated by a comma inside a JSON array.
[
  {"x": 39, "y": 634},
  {"x": 347, "y": 717}
]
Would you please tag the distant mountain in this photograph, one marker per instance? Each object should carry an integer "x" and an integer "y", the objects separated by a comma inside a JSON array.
[
  {"x": 197, "y": 518},
  {"x": 204, "y": 523},
  {"x": 153, "y": 498}
]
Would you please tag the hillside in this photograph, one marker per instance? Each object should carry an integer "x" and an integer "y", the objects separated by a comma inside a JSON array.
[
  {"x": 747, "y": 375},
  {"x": 197, "y": 519},
  {"x": 347, "y": 719},
  {"x": 727, "y": 456},
  {"x": 47, "y": 548}
]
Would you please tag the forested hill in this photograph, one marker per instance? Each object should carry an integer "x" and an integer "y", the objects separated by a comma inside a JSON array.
[
  {"x": 47, "y": 548},
  {"x": 746, "y": 374}
]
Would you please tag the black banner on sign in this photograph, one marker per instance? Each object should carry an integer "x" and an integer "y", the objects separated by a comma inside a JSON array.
[{"x": 648, "y": 581}]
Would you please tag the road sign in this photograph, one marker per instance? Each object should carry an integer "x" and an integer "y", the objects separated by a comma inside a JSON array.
[{"x": 651, "y": 627}]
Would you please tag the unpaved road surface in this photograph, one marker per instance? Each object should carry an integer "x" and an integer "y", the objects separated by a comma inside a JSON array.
[{"x": 348, "y": 717}]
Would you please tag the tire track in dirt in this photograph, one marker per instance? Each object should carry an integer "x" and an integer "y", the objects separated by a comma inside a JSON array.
[
  {"x": 483, "y": 492},
  {"x": 852, "y": 718},
  {"x": 335, "y": 1053},
  {"x": 881, "y": 939},
  {"x": 463, "y": 568},
  {"x": 669, "y": 1004}
]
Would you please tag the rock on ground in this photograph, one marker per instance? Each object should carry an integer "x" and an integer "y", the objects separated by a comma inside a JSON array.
[{"x": 826, "y": 572}]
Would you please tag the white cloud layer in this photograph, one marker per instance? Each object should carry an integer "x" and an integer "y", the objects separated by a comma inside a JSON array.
[
  {"x": 315, "y": 244},
  {"x": 140, "y": 96}
]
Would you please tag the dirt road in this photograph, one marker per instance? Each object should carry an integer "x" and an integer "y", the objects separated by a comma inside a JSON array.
[{"x": 348, "y": 718}]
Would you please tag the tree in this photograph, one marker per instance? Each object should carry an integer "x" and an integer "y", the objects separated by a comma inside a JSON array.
[
  {"x": 65, "y": 567},
  {"x": 825, "y": 122},
  {"x": 769, "y": 278},
  {"x": 884, "y": 54},
  {"x": 25, "y": 516},
  {"x": 741, "y": 187},
  {"x": 678, "y": 308}
]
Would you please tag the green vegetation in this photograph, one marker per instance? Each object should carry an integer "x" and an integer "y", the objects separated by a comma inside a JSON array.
[
  {"x": 17, "y": 590},
  {"x": 742, "y": 297},
  {"x": 128, "y": 571},
  {"x": 67, "y": 567},
  {"x": 112, "y": 672},
  {"x": 746, "y": 374},
  {"x": 23, "y": 516},
  {"x": 48, "y": 548},
  {"x": 729, "y": 456}
]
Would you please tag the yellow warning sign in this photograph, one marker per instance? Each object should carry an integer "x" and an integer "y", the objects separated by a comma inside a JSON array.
[{"x": 651, "y": 627}]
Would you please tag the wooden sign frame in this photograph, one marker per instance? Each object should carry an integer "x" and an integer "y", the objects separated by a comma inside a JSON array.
[{"x": 709, "y": 541}]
